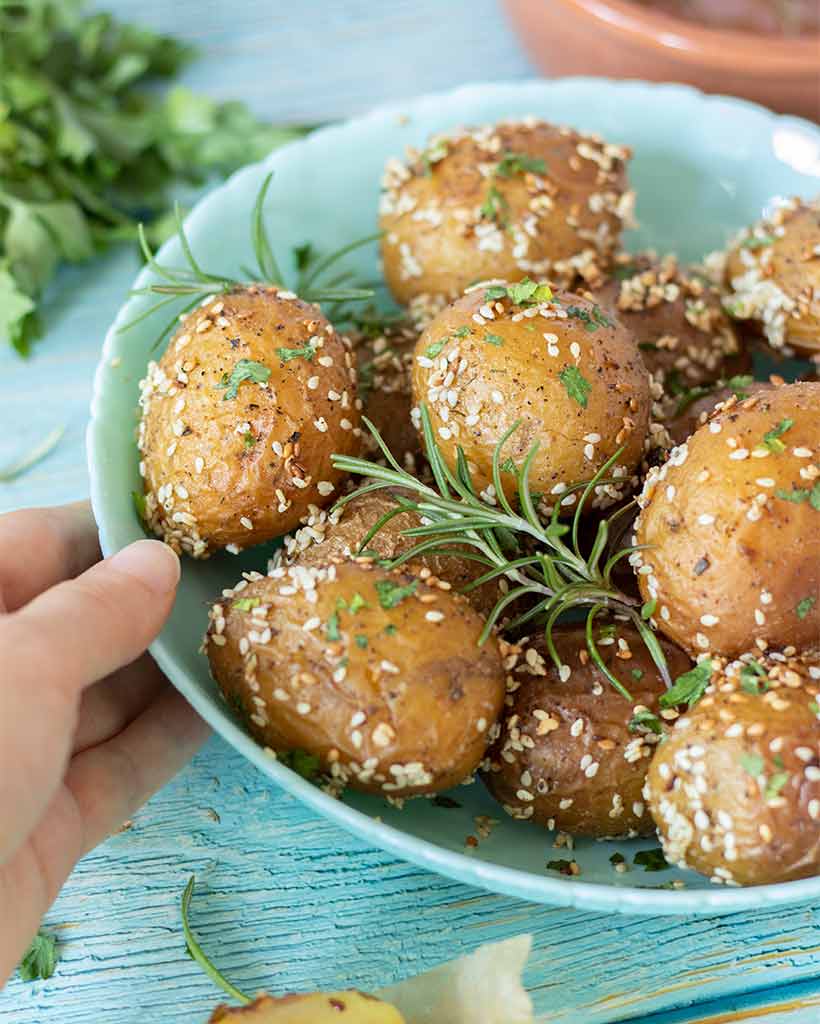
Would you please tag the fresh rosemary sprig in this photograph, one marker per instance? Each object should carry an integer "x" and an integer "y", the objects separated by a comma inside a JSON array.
[
  {"x": 198, "y": 955},
  {"x": 194, "y": 283},
  {"x": 554, "y": 573}
]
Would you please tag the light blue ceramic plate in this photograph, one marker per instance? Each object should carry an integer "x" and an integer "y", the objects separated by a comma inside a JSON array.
[{"x": 703, "y": 167}]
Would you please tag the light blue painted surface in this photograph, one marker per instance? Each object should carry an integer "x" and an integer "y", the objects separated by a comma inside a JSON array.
[{"x": 287, "y": 900}]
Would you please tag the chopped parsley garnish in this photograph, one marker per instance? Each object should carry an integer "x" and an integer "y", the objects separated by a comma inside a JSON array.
[
  {"x": 40, "y": 959},
  {"x": 646, "y": 720},
  {"x": 392, "y": 594},
  {"x": 435, "y": 348},
  {"x": 390, "y": 629},
  {"x": 495, "y": 206},
  {"x": 517, "y": 163},
  {"x": 575, "y": 384},
  {"x": 648, "y": 610},
  {"x": 754, "y": 678},
  {"x": 607, "y": 632},
  {"x": 814, "y": 707},
  {"x": 435, "y": 152},
  {"x": 494, "y": 339},
  {"x": 462, "y": 332},
  {"x": 244, "y": 604},
  {"x": 637, "y": 674},
  {"x": 739, "y": 383},
  {"x": 775, "y": 784},
  {"x": 752, "y": 763},
  {"x": 357, "y": 602},
  {"x": 495, "y": 291},
  {"x": 286, "y": 354},
  {"x": 563, "y": 866},
  {"x": 361, "y": 641},
  {"x": 332, "y": 628},
  {"x": 301, "y": 762},
  {"x": 507, "y": 466},
  {"x": 652, "y": 860},
  {"x": 757, "y": 242},
  {"x": 527, "y": 292},
  {"x": 800, "y": 494},
  {"x": 771, "y": 439},
  {"x": 689, "y": 687},
  {"x": 591, "y": 320},
  {"x": 249, "y": 439},
  {"x": 805, "y": 606},
  {"x": 245, "y": 369}
]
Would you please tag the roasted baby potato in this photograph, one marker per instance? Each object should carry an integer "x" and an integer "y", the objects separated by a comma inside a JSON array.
[
  {"x": 773, "y": 277},
  {"x": 340, "y": 534},
  {"x": 570, "y": 374},
  {"x": 384, "y": 363},
  {"x": 239, "y": 419},
  {"x": 315, "y": 1008},
  {"x": 505, "y": 200},
  {"x": 732, "y": 522},
  {"x": 683, "y": 333},
  {"x": 378, "y": 675},
  {"x": 572, "y": 753},
  {"x": 735, "y": 788}
]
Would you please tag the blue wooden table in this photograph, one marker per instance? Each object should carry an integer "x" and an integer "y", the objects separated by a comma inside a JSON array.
[{"x": 286, "y": 900}]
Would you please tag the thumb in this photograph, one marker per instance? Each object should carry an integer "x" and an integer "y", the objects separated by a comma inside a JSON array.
[{"x": 51, "y": 649}]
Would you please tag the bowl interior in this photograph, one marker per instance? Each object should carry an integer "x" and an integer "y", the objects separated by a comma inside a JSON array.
[{"x": 703, "y": 167}]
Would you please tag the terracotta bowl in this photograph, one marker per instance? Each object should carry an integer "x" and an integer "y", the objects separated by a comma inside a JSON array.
[{"x": 618, "y": 39}]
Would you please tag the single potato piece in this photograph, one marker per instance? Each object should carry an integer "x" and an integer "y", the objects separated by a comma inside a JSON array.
[
  {"x": 683, "y": 333},
  {"x": 572, "y": 753},
  {"x": 316, "y": 1008},
  {"x": 732, "y": 524},
  {"x": 384, "y": 363},
  {"x": 378, "y": 675},
  {"x": 504, "y": 200},
  {"x": 338, "y": 535},
  {"x": 735, "y": 788},
  {"x": 240, "y": 417},
  {"x": 773, "y": 276},
  {"x": 570, "y": 374}
]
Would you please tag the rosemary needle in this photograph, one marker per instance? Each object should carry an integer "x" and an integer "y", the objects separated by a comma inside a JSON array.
[
  {"x": 31, "y": 458},
  {"x": 196, "y": 952}
]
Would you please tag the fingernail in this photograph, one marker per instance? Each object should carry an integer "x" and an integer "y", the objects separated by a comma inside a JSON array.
[{"x": 151, "y": 562}]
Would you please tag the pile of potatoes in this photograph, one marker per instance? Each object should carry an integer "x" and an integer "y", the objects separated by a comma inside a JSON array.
[{"x": 502, "y": 244}]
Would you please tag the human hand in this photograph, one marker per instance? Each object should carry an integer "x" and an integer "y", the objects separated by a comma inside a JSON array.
[{"x": 89, "y": 726}]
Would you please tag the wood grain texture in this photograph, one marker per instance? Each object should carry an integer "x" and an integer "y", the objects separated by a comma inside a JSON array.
[{"x": 285, "y": 899}]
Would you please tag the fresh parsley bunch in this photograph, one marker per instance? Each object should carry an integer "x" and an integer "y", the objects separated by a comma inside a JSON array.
[{"x": 87, "y": 150}]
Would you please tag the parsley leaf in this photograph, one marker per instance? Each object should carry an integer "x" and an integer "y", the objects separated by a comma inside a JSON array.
[
  {"x": 800, "y": 494},
  {"x": 752, "y": 763},
  {"x": 245, "y": 604},
  {"x": 652, "y": 860},
  {"x": 494, "y": 339},
  {"x": 775, "y": 784},
  {"x": 332, "y": 629},
  {"x": 771, "y": 439},
  {"x": 754, "y": 678},
  {"x": 435, "y": 349},
  {"x": 301, "y": 762},
  {"x": 357, "y": 602},
  {"x": 757, "y": 242},
  {"x": 591, "y": 320},
  {"x": 575, "y": 384},
  {"x": 495, "y": 206},
  {"x": 392, "y": 593},
  {"x": 648, "y": 609},
  {"x": 646, "y": 720},
  {"x": 688, "y": 687},
  {"x": 805, "y": 606},
  {"x": 249, "y": 439},
  {"x": 307, "y": 352},
  {"x": 527, "y": 292},
  {"x": 517, "y": 163},
  {"x": 361, "y": 641},
  {"x": 40, "y": 959},
  {"x": 245, "y": 369}
]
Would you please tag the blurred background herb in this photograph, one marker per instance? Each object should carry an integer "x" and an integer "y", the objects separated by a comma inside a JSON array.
[{"x": 90, "y": 143}]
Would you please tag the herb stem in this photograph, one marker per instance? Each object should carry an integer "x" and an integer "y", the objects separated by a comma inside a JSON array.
[{"x": 199, "y": 956}]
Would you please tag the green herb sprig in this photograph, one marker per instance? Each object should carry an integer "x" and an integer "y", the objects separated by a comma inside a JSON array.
[
  {"x": 40, "y": 959},
  {"x": 556, "y": 577},
  {"x": 196, "y": 952},
  {"x": 193, "y": 284}
]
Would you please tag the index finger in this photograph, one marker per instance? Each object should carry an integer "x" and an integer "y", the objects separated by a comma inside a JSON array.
[{"x": 40, "y": 547}]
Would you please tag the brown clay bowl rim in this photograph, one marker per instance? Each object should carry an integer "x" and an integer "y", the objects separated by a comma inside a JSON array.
[{"x": 745, "y": 52}]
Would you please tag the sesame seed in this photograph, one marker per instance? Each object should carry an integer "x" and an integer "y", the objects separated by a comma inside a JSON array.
[
  {"x": 434, "y": 616},
  {"x": 709, "y": 620},
  {"x": 247, "y": 523}
]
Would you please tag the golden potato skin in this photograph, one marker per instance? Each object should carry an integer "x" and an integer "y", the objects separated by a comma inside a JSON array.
[
  {"x": 735, "y": 788},
  {"x": 384, "y": 366},
  {"x": 465, "y": 209},
  {"x": 313, "y": 1008},
  {"x": 339, "y": 535},
  {"x": 476, "y": 389},
  {"x": 404, "y": 710},
  {"x": 224, "y": 471},
  {"x": 683, "y": 333},
  {"x": 731, "y": 559},
  {"x": 565, "y": 757},
  {"x": 773, "y": 277}
]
